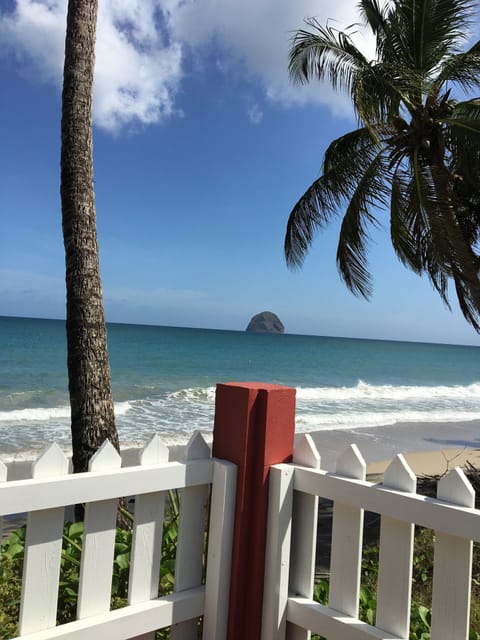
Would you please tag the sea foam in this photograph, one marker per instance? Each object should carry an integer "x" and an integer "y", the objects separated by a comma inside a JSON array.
[
  {"x": 35, "y": 415},
  {"x": 177, "y": 414},
  {"x": 368, "y": 405},
  {"x": 44, "y": 414},
  {"x": 371, "y": 392}
]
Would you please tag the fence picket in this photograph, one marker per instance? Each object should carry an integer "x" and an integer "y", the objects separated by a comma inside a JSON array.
[
  {"x": 304, "y": 533},
  {"x": 452, "y": 567},
  {"x": 98, "y": 542},
  {"x": 191, "y": 537},
  {"x": 290, "y": 554},
  {"x": 277, "y": 556},
  {"x": 399, "y": 507},
  {"x": 220, "y": 536},
  {"x": 46, "y": 495},
  {"x": 146, "y": 550},
  {"x": 43, "y": 548},
  {"x": 289, "y": 609},
  {"x": 347, "y": 537},
  {"x": 395, "y": 559}
]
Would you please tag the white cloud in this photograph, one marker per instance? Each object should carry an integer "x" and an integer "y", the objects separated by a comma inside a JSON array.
[
  {"x": 137, "y": 72},
  {"x": 255, "y": 114},
  {"x": 258, "y": 34},
  {"x": 36, "y": 33},
  {"x": 141, "y": 43},
  {"x": 138, "y": 67}
]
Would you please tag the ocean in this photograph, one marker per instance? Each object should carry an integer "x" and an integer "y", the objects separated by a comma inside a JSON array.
[{"x": 164, "y": 379}]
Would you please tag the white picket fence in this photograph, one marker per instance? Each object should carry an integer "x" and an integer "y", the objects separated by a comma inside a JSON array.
[
  {"x": 52, "y": 488},
  {"x": 289, "y": 611}
]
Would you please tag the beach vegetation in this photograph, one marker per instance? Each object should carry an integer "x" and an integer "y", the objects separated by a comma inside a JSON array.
[
  {"x": 422, "y": 581},
  {"x": 11, "y": 569},
  {"x": 416, "y": 152},
  {"x": 92, "y": 411},
  {"x": 11, "y": 566}
]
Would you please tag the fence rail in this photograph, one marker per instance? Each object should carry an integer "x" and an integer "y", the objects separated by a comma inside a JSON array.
[
  {"x": 254, "y": 428},
  {"x": 292, "y": 530},
  {"x": 44, "y": 497}
]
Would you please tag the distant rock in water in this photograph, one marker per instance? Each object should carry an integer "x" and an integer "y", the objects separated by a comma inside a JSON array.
[{"x": 265, "y": 322}]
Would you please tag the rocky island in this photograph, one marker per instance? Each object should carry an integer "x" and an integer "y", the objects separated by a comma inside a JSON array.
[{"x": 265, "y": 322}]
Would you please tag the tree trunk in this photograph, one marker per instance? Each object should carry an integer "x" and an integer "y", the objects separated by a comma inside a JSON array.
[{"x": 92, "y": 415}]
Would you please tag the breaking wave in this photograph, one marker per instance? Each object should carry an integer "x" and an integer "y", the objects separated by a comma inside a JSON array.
[{"x": 175, "y": 415}]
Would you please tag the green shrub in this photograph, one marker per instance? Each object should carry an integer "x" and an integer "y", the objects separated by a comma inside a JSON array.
[
  {"x": 422, "y": 579},
  {"x": 11, "y": 568}
]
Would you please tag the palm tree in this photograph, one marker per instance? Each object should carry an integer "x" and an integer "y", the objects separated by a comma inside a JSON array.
[
  {"x": 416, "y": 151},
  {"x": 92, "y": 414}
]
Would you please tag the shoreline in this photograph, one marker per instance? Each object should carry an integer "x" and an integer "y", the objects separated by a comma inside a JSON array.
[
  {"x": 430, "y": 449},
  {"x": 377, "y": 445}
]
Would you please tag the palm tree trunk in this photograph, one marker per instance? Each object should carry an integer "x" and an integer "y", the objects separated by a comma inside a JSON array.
[{"x": 92, "y": 414}]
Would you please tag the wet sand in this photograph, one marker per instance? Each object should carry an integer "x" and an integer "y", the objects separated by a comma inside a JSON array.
[{"x": 379, "y": 444}]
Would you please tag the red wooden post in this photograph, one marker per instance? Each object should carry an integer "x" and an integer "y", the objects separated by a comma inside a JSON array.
[{"x": 254, "y": 428}]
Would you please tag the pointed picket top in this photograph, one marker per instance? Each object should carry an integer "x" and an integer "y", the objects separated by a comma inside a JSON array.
[
  {"x": 306, "y": 453},
  {"x": 197, "y": 448},
  {"x": 456, "y": 488},
  {"x": 106, "y": 458},
  {"x": 154, "y": 451},
  {"x": 51, "y": 462},
  {"x": 351, "y": 464},
  {"x": 398, "y": 475}
]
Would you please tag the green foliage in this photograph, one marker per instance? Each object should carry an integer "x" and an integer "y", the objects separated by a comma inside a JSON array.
[
  {"x": 11, "y": 567},
  {"x": 10, "y": 589},
  {"x": 416, "y": 153},
  {"x": 422, "y": 577}
]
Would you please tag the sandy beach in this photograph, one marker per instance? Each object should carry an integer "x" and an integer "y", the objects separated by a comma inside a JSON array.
[{"x": 457, "y": 440}]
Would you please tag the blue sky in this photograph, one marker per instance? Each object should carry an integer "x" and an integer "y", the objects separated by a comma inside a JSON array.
[{"x": 202, "y": 146}]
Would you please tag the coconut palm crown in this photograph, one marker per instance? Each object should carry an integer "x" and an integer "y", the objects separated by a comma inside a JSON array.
[{"x": 416, "y": 151}]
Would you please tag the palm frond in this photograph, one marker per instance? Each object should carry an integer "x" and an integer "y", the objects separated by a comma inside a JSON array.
[
  {"x": 324, "y": 52},
  {"x": 353, "y": 238},
  {"x": 429, "y": 30},
  {"x": 468, "y": 110},
  {"x": 312, "y": 212},
  {"x": 376, "y": 17},
  {"x": 468, "y": 301},
  {"x": 418, "y": 148},
  {"x": 462, "y": 69},
  {"x": 345, "y": 163},
  {"x": 466, "y": 195},
  {"x": 450, "y": 243},
  {"x": 347, "y": 157},
  {"x": 404, "y": 231},
  {"x": 379, "y": 91},
  {"x": 412, "y": 233},
  {"x": 462, "y": 137}
]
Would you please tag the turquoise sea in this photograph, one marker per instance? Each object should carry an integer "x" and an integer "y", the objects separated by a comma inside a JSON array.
[{"x": 164, "y": 380}]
